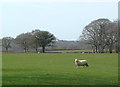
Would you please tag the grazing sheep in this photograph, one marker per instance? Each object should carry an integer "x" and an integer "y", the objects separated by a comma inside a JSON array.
[
  {"x": 83, "y": 52},
  {"x": 81, "y": 62}
]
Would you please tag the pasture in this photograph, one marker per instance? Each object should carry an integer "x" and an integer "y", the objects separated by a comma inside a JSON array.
[{"x": 59, "y": 69}]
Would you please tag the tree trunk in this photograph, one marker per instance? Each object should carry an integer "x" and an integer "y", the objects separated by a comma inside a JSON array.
[
  {"x": 96, "y": 50},
  {"x": 25, "y": 50},
  {"x": 36, "y": 50},
  {"x": 110, "y": 49},
  {"x": 6, "y": 49},
  {"x": 116, "y": 48},
  {"x": 43, "y": 49},
  {"x": 93, "y": 49},
  {"x": 103, "y": 49}
]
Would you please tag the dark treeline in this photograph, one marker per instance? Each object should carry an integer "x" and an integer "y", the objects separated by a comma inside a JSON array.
[{"x": 99, "y": 35}]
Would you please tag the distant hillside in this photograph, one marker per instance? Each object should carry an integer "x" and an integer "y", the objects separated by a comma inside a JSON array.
[{"x": 62, "y": 44}]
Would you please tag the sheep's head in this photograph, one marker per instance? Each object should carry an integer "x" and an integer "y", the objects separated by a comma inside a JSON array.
[{"x": 76, "y": 60}]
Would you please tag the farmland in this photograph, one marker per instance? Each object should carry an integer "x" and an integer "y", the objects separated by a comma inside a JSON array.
[{"x": 59, "y": 69}]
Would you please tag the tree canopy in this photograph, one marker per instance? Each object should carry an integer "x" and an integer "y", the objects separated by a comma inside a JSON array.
[
  {"x": 100, "y": 33},
  {"x": 6, "y": 42}
]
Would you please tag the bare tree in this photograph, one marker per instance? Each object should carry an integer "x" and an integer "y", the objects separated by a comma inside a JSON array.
[
  {"x": 6, "y": 42},
  {"x": 95, "y": 34},
  {"x": 119, "y": 34},
  {"x": 24, "y": 40},
  {"x": 35, "y": 41},
  {"x": 112, "y": 36}
]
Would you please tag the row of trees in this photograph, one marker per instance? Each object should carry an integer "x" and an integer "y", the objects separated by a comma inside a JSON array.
[
  {"x": 34, "y": 39},
  {"x": 101, "y": 34}
]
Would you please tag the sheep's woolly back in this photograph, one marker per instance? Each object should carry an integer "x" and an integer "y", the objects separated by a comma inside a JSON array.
[{"x": 83, "y": 60}]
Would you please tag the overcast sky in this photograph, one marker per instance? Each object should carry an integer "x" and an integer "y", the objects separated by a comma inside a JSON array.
[{"x": 65, "y": 20}]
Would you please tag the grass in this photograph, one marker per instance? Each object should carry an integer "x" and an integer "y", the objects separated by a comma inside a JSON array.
[
  {"x": 59, "y": 69},
  {"x": 78, "y": 51},
  {"x": 64, "y": 51}
]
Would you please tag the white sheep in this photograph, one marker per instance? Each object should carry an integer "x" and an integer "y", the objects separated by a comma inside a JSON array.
[
  {"x": 83, "y": 52},
  {"x": 81, "y": 62}
]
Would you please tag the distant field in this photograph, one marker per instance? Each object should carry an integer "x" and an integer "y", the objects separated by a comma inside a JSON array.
[
  {"x": 70, "y": 51},
  {"x": 64, "y": 51},
  {"x": 59, "y": 69}
]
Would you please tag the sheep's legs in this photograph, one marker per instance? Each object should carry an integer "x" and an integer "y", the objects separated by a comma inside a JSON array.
[{"x": 86, "y": 65}]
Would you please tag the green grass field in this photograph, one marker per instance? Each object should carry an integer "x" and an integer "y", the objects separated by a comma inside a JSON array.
[
  {"x": 67, "y": 51},
  {"x": 64, "y": 51},
  {"x": 59, "y": 69}
]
